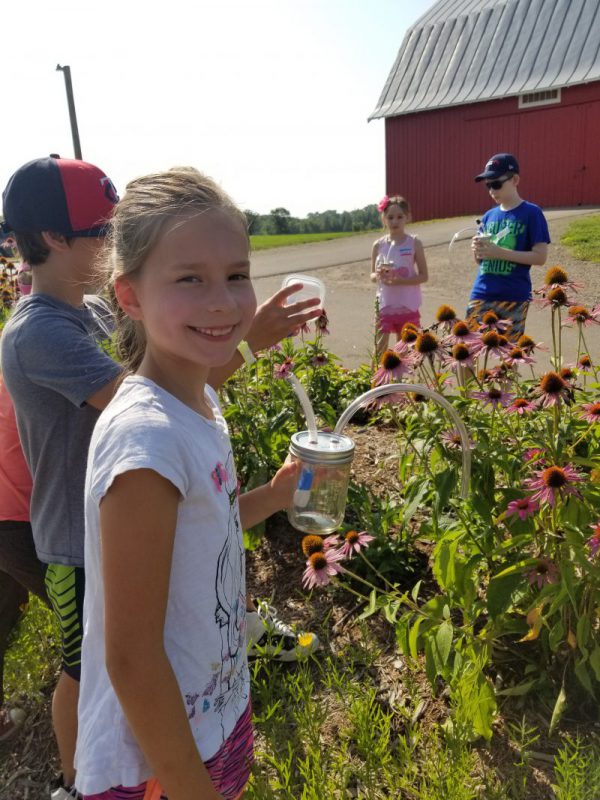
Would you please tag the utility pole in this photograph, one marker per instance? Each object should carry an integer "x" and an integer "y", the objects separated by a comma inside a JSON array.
[{"x": 72, "y": 116}]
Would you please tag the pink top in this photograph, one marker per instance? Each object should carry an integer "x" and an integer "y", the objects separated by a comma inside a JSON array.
[
  {"x": 15, "y": 480},
  {"x": 399, "y": 299}
]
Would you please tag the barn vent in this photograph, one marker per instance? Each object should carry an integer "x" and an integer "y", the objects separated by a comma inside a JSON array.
[{"x": 544, "y": 98}]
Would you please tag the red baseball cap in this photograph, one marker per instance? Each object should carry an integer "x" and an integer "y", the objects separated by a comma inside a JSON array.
[{"x": 60, "y": 195}]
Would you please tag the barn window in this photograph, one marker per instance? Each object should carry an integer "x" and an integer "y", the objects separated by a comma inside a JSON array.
[{"x": 544, "y": 98}]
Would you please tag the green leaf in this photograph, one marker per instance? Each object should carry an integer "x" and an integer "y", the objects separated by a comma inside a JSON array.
[
  {"x": 518, "y": 690},
  {"x": 415, "y": 591},
  {"x": 521, "y": 566},
  {"x": 559, "y": 707},
  {"x": 595, "y": 661},
  {"x": 556, "y": 636},
  {"x": 584, "y": 677},
  {"x": 432, "y": 667},
  {"x": 500, "y": 593},
  {"x": 413, "y": 638},
  {"x": 583, "y": 631},
  {"x": 443, "y": 640},
  {"x": 415, "y": 502}
]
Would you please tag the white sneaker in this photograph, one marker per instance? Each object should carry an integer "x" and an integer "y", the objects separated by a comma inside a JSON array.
[{"x": 267, "y": 635}]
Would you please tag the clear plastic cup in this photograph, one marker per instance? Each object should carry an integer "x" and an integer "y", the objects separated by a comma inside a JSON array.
[{"x": 312, "y": 287}]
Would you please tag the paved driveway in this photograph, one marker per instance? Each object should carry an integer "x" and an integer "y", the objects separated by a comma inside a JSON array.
[{"x": 344, "y": 266}]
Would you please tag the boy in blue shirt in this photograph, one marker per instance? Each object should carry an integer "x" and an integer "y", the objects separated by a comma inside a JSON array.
[{"x": 516, "y": 238}]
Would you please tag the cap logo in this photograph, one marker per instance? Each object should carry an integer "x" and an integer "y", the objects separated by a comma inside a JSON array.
[{"x": 109, "y": 190}]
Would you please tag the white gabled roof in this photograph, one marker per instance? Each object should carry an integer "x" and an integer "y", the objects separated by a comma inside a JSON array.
[{"x": 468, "y": 51}]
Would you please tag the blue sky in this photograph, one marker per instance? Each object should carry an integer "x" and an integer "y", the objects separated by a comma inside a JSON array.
[{"x": 270, "y": 98}]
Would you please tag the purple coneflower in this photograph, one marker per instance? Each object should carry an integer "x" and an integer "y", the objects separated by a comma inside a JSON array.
[
  {"x": 393, "y": 365},
  {"x": 312, "y": 544},
  {"x": 494, "y": 344},
  {"x": 544, "y": 572},
  {"x": 552, "y": 482},
  {"x": 520, "y": 406},
  {"x": 320, "y": 359},
  {"x": 283, "y": 370},
  {"x": 452, "y": 440},
  {"x": 321, "y": 567},
  {"x": 322, "y": 322},
  {"x": 591, "y": 412},
  {"x": 461, "y": 333},
  {"x": 353, "y": 541},
  {"x": 460, "y": 356},
  {"x": 532, "y": 453},
  {"x": 427, "y": 345},
  {"x": 580, "y": 315},
  {"x": 409, "y": 333},
  {"x": 490, "y": 321},
  {"x": 445, "y": 316},
  {"x": 557, "y": 278},
  {"x": 594, "y": 541},
  {"x": 524, "y": 507},
  {"x": 518, "y": 356},
  {"x": 585, "y": 362},
  {"x": 552, "y": 389},
  {"x": 557, "y": 298},
  {"x": 493, "y": 397},
  {"x": 527, "y": 344}
]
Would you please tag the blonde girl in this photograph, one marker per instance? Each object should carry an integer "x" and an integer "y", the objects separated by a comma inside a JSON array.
[{"x": 165, "y": 705}]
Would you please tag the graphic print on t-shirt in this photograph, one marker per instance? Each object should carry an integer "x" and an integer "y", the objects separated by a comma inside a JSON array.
[
  {"x": 226, "y": 686},
  {"x": 504, "y": 234}
]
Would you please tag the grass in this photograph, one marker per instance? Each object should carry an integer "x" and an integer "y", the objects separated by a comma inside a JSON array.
[
  {"x": 326, "y": 730},
  {"x": 286, "y": 240},
  {"x": 583, "y": 237}
]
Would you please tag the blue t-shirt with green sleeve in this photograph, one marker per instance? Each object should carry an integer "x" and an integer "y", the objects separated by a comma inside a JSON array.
[{"x": 518, "y": 229}]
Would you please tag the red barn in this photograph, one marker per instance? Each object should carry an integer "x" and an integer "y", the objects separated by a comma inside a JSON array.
[{"x": 477, "y": 77}]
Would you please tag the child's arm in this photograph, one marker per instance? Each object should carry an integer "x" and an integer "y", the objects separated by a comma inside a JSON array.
[
  {"x": 374, "y": 254},
  {"x": 483, "y": 249},
  {"x": 422, "y": 275},
  {"x": 138, "y": 517},
  {"x": 273, "y": 321},
  {"x": 258, "y": 504}
]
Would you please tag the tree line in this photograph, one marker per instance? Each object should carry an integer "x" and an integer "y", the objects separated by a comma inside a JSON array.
[{"x": 280, "y": 221}]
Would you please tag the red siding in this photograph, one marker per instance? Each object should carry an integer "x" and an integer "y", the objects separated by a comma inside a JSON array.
[{"x": 432, "y": 156}]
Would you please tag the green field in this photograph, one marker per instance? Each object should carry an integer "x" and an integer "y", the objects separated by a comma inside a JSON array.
[
  {"x": 583, "y": 236},
  {"x": 285, "y": 240}
]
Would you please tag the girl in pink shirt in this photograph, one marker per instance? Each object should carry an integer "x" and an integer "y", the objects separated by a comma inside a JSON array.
[{"x": 398, "y": 266}]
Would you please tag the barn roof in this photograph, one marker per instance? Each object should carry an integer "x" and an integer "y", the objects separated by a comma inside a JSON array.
[{"x": 468, "y": 51}]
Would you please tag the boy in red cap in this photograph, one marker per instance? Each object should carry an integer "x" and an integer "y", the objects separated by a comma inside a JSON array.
[{"x": 515, "y": 238}]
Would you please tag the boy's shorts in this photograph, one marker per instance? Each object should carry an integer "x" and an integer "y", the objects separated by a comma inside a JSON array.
[
  {"x": 229, "y": 768},
  {"x": 66, "y": 587},
  {"x": 515, "y": 313}
]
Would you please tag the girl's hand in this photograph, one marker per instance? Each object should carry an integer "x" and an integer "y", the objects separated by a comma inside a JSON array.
[{"x": 283, "y": 484}]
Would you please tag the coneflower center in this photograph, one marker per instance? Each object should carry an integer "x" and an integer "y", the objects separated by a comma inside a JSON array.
[
  {"x": 526, "y": 342},
  {"x": 318, "y": 561},
  {"x": 558, "y": 297},
  {"x": 351, "y": 537},
  {"x": 460, "y": 352},
  {"x": 408, "y": 334},
  {"x": 554, "y": 477},
  {"x": 585, "y": 361},
  {"x": 445, "y": 314},
  {"x": 579, "y": 312},
  {"x": 516, "y": 352},
  {"x": 426, "y": 343},
  {"x": 556, "y": 275},
  {"x": 491, "y": 339},
  {"x": 390, "y": 360},
  {"x": 489, "y": 318},
  {"x": 595, "y": 410},
  {"x": 552, "y": 383},
  {"x": 461, "y": 329},
  {"x": 520, "y": 402},
  {"x": 566, "y": 373},
  {"x": 494, "y": 394},
  {"x": 312, "y": 544},
  {"x": 523, "y": 502}
]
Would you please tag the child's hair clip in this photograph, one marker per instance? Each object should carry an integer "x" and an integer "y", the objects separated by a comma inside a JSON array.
[{"x": 383, "y": 204}]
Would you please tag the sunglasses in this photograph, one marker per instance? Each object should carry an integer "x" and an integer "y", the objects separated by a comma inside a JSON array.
[{"x": 498, "y": 184}]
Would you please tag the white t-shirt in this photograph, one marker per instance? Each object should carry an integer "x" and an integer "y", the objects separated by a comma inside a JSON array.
[{"x": 145, "y": 427}]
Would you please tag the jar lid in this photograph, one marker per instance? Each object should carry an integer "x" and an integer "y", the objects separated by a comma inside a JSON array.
[{"x": 330, "y": 448}]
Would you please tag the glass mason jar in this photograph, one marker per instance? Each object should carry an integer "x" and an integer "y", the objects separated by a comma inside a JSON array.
[{"x": 320, "y": 497}]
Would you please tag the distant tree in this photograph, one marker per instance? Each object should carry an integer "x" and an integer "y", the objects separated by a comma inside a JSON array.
[
  {"x": 254, "y": 221},
  {"x": 280, "y": 218}
]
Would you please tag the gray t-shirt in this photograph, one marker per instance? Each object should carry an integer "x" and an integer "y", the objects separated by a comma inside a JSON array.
[{"x": 51, "y": 363}]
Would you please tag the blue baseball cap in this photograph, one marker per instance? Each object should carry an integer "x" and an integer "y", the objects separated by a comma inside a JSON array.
[
  {"x": 60, "y": 195},
  {"x": 498, "y": 166}
]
